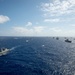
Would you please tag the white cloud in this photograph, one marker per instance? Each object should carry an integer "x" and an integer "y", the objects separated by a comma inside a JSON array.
[
  {"x": 29, "y": 24},
  {"x": 22, "y": 30},
  {"x": 56, "y": 29},
  {"x": 38, "y": 29},
  {"x": 51, "y": 20},
  {"x": 4, "y": 19},
  {"x": 42, "y": 31},
  {"x": 58, "y": 7},
  {"x": 28, "y": 31}
]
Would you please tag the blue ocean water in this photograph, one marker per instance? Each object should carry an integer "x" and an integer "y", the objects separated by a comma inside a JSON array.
[{"x": 37, "y": 56}]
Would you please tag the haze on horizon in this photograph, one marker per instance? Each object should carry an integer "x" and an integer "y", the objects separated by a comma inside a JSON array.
[{"x": 37, "y": 18}]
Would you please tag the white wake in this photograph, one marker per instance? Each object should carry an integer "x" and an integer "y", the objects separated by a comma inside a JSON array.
[{"x": 15, "y": 47}]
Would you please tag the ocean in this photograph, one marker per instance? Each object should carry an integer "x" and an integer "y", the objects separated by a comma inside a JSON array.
[{"x": 37, "y": 56}]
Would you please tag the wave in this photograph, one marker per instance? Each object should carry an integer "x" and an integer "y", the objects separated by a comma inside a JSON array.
[{"x": 15, "y": 47}]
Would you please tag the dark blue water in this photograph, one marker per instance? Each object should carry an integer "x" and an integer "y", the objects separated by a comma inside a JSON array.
[{"x": 37, "y": 56}]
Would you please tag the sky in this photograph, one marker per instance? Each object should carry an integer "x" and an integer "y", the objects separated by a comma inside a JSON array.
[{"x": 37, "y": 18}]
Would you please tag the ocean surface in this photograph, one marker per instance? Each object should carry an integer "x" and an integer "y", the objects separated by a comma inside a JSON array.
[{"x": 37, "y": 56}]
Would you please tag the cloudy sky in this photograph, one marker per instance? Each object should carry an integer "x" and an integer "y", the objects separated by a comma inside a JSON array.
[{"x": 37, "y": 17}]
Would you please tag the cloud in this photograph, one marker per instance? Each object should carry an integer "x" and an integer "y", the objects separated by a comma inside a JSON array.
[
  {"x": 22, "y": 30},
  {"x": 3, "y": 19},
  {"x": 42, "y": 31},
  {"x": 58, "y": 7},
  {"x": 51, "y": 20},
  {"x": 28, "y": 31},
  {"x": 29, "y": 24},
  {"x": 38, "y": 29},
  {"x": 56, "y": 29}
]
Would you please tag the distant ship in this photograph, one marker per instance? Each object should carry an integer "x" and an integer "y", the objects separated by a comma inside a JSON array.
[
  {"x": 67, "y": 40},
  {"x": 53, "y": 37},
  {"x": 57, "y": 38},
  {"x": 3, "y": 51}
]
